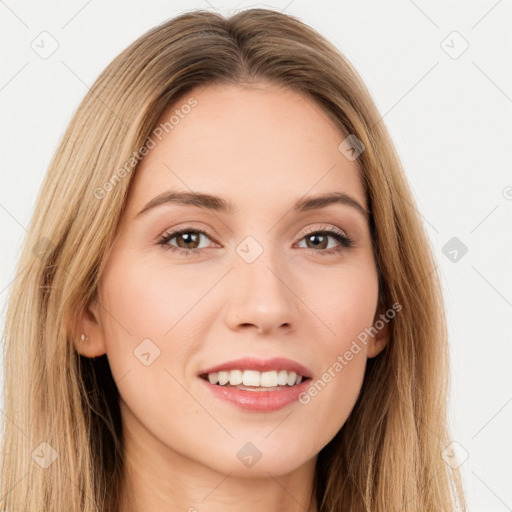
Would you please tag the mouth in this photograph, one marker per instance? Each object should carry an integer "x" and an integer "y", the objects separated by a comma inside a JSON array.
[
  {"x": 253, "y": 380},
  {"x": 254, "y": 391}
]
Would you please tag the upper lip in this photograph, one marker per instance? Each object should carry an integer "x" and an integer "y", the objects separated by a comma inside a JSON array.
[{"x": 261, "y": 365}]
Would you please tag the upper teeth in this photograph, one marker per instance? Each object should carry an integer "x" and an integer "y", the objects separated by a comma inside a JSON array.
[{"x": 255, "y": 378}]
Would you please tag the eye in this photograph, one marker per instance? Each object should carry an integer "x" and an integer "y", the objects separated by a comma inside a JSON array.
[
  {"x": 188, "y": 241},
  {"x": 319, "y": 238}
]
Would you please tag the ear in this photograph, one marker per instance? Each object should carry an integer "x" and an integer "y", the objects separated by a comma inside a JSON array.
[
  {"x": 89, "y": 324},
  {"x": 378, "y": 342}
]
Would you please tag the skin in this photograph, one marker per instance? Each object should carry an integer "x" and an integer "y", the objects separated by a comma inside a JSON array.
[{"x": 262, "y": 147}]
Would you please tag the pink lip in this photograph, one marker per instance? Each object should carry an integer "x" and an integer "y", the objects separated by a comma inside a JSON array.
[
  {"x": 261, "y": 365},
  {"x": 259, "y": 401}
]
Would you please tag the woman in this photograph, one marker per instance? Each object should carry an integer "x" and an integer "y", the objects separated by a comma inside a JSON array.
[{"x": 226, "y": 298}]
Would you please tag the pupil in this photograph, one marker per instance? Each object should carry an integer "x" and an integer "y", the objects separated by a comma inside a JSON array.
[
  {"x": 311, "y": 237},
  {"x": 190, "y": 237}
]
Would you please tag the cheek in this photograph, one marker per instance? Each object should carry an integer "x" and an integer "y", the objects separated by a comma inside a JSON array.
[
  {"x": 346, "y": 306},
  {"x": 344, "y": 301},
  {"x": 139, "y": 308},
  {"x": 331, "y": 398},
  {"x": 142, "y": 300},
  {"x": 151, "y": 318},
  {"x": 144, "y": 313}
]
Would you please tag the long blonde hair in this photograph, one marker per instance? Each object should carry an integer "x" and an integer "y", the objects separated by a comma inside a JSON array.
[{"x": 62, "y": 446}]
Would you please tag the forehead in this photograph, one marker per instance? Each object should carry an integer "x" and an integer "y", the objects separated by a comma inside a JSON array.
[{"x": 253, "y": 143}]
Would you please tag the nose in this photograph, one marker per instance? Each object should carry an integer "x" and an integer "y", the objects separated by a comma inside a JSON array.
[{"x": 260, "y": 296}]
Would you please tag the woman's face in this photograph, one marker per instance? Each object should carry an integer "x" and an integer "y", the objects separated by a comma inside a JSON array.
[{"x": 259, "y": 279}]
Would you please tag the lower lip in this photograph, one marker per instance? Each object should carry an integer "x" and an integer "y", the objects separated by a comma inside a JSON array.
[{"x": 263, "y": 401}]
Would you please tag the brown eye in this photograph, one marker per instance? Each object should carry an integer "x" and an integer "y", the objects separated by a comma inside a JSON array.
[
  {"x": 187, "y": 240},
  {"x": 318, "y": 241}
]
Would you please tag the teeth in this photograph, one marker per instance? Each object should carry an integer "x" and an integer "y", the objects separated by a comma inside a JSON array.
[
  {"x": 268, "y": 379},
  {"x": 254, "y": 378},
  {"x": 251, "y": 378},
  {"x": 223, "y": 378},
  {"x": 282, "y": 378},
  {"x": 235, "y": 377}
]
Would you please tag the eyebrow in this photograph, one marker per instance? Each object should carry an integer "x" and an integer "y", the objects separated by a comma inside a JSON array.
[{"x": 218, "y": 204}]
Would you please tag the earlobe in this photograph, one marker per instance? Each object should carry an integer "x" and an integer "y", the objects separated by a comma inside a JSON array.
[
  {"x": 90, "y": 340},
  {"x": 380, "y": 340}
]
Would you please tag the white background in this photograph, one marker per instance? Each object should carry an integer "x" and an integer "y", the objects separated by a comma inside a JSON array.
[{"x": 450, "y": 118}]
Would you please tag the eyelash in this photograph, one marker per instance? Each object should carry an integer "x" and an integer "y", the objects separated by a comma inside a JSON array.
[{"x": 345, "y": 241}]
